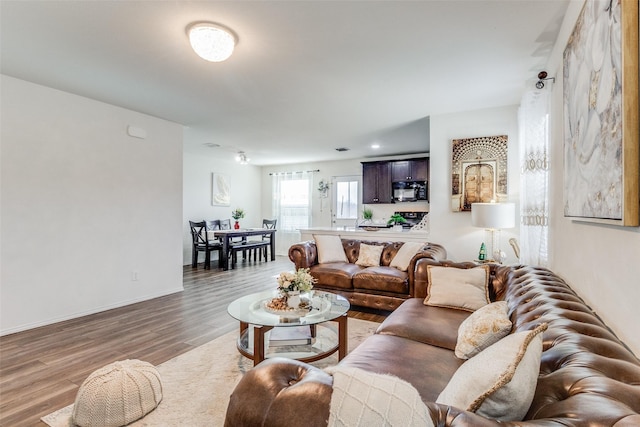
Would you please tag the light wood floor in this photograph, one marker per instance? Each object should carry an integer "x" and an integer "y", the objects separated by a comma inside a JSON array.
[{"x": 41, "y": 369}]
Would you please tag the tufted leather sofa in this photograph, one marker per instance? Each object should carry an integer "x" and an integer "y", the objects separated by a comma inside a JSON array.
[
  {"x": 382, "y": 288},
  {"x": 588, "y": 377}
]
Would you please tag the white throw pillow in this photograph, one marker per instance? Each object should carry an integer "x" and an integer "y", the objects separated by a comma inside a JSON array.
[
  {"x": 405, "y": 254},
  {"x": 485, "y": 326},
  {"x": 369, "y": 255},
  {"x": 500, "y": 381},
  {"x": 461, "y": 288},
  {"x": 329, "y": 248},
  {"x": 362, "y": 398}
]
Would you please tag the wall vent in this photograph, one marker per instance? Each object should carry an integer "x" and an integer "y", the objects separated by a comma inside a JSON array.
[{"x": 342, "y": 149}]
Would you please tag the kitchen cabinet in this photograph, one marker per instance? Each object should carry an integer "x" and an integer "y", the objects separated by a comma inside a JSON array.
[
  {"x": 376, "y": 182},
  {"x": 410, "y": 170}
]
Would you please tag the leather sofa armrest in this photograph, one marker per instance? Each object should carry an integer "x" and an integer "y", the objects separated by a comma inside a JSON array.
[
  {"x": 304, "y": 254},
  {"x": 280, "y": 392},
  {"x": 431, "y": 251}
]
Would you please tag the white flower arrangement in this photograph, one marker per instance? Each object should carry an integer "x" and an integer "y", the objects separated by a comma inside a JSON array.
[{"x": 300, "y": 280}]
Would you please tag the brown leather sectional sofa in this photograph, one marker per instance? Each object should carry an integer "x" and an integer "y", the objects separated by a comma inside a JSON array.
[
  {"x": 588, "y": 377},
  {"x": 382, "y": 288}
]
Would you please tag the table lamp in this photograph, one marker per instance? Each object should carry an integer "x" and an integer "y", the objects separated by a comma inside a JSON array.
[{"x": 493, "y": 217}]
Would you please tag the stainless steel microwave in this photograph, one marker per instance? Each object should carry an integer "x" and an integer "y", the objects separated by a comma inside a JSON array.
[{"x": 409, "y": 191}]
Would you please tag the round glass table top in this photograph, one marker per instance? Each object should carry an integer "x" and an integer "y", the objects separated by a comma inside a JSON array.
[{"x": 324, "y": 306}]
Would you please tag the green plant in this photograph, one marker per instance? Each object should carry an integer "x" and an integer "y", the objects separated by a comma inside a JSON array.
[
  {"x": 237, "y": 214},
  {"x": 367, "y": 213},
  {"x": 396, "y": 219}
]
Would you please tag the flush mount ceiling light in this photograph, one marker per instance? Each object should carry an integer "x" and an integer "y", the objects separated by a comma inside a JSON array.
[
  {"x": 242, "y": 158},
  {"x": 210, "y": 41}
]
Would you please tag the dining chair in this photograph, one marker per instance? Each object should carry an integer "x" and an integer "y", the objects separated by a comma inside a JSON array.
[
  {"x": 201, "y": 243},
  {"x": 271, "y": 225},
  {"x": 235, "y": 245}
]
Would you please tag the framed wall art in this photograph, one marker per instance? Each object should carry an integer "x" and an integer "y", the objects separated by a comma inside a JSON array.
[
  {"x": 601, "y": 132},
  {"x": 478, "y": 171},
  {"x": 220, "y": 190}
]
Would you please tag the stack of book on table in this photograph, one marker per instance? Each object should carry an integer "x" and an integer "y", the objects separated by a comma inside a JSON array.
[{"x": 290, "y": 335}]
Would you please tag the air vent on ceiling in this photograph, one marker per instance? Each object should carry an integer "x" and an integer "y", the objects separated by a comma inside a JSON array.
[
  {"x": 211, "y": 145},
  {"x": 342, "y": 149}
]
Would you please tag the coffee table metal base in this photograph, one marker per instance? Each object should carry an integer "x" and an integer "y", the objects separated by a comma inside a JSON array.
[{"x": 259, "y": 331}]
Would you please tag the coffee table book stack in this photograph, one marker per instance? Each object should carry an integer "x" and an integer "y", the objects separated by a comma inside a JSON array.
[{"x": 296, "y": 335}]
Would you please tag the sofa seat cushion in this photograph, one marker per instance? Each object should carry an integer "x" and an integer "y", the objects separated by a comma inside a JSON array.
[
  {"x": 426, "y": 324},
  {"x": 387, "y": 279},
  {"x": 427, "y": 368},
  {"x": 338, "y": 275}
]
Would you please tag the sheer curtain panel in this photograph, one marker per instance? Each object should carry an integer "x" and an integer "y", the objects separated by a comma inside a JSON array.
[
  {"x": 534, "y": 191},
  {"x": 291, "y": 206}
]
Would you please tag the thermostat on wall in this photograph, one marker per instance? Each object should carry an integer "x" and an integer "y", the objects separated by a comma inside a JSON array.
[{"x": 136, "y": 132}]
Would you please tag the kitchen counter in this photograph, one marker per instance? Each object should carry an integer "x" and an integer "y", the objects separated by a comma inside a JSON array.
[{"x": 382, "y": 234}]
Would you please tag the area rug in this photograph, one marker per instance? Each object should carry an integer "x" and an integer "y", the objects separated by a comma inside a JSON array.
[{"x": 196, "y": 385}]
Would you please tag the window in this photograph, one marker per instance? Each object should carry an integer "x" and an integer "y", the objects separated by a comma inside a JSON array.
[
  {"x": 346, "y": 199},
  {"x": 291, "y": 207},
  {"x": 294, "y": 204},
  {"x": 346, "y": 196}
]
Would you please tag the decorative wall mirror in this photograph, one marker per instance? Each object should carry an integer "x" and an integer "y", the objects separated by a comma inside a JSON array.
[{"x": 478, "y": 171}]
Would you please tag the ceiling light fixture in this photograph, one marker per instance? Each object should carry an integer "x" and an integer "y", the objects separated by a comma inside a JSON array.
[
  {"x": 242, "y": 158},
  {"x": 210, "y": 41}
]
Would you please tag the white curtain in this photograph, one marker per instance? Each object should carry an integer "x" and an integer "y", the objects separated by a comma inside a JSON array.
[
  {"x": 534, "y": 181},
  {"x": 291, "y": 205}
]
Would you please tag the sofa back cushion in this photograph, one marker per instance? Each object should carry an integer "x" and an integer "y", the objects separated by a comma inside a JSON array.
[
  {"x": 369, "y": 255},
  {"x": 500, "y": 381},
  {"x": 461, "y": 288},
  {"x": 329, "y": 248},
  {"x": 403, "y": 257}
]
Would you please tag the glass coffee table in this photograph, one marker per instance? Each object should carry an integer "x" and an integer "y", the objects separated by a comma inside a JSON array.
[{"x": 326, "y": 320}]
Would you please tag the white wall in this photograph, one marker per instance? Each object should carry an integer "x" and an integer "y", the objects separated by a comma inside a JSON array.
[
  {"x": 600, "y": 262},
  {"x": 245, "y": 183},
  {"x": 454, "y": 229},
  {"x": 85, "y": 207},
  {"x": 451, "y": 229}
]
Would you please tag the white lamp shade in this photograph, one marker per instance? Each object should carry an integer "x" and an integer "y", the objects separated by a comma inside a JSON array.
[
  {"x": 493, "y": 215},
  {"x": 211, "y": 42}
]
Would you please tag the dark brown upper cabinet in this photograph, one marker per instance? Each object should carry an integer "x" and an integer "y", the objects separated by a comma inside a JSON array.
[
  {"x": 409, "y": 170},
  {"x": 376, "y": 182}
]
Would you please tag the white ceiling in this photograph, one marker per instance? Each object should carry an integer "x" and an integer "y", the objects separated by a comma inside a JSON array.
[{"x": 306, "y": 77}]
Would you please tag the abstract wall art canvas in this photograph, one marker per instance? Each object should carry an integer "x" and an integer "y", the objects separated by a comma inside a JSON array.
[
  {"x": 601, "y": 132},
  {"x": 220, "y": 190}
]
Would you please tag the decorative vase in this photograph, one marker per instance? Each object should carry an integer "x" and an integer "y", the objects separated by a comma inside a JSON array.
[
  {"x": 293, "y": 299},
  {"x": 236, "y": 225},
  {"x": 397, "y": 227}
]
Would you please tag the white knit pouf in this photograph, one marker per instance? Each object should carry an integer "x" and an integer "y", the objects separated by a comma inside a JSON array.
[{"x": 118, "y": 394}]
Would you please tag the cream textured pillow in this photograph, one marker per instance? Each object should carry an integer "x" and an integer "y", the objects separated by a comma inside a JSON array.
[
  {"x": 362, "y": 398},
  {"x": 369, "y": 255},
  {"x": 484, "y": 327},
  {"x": 462, "y": 288},
  {"x": 500, "y": 381},
  {"x": 329, "y": 248},
  {"x": 405, "y": 254}
]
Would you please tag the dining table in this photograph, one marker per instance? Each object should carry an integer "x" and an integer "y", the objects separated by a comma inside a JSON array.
[{"x": 226, "y": 237}]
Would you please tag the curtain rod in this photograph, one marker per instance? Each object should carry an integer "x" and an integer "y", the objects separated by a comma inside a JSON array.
[{"x": 278, "y": 173}]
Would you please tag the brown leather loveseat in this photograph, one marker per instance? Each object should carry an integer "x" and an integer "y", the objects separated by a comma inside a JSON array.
[
  {"x": 587, "y": 376},
  {"x": 381, "y": 287}
]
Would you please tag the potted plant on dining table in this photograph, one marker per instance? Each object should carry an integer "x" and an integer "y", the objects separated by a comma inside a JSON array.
[{"x": 237, "y": 214}]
